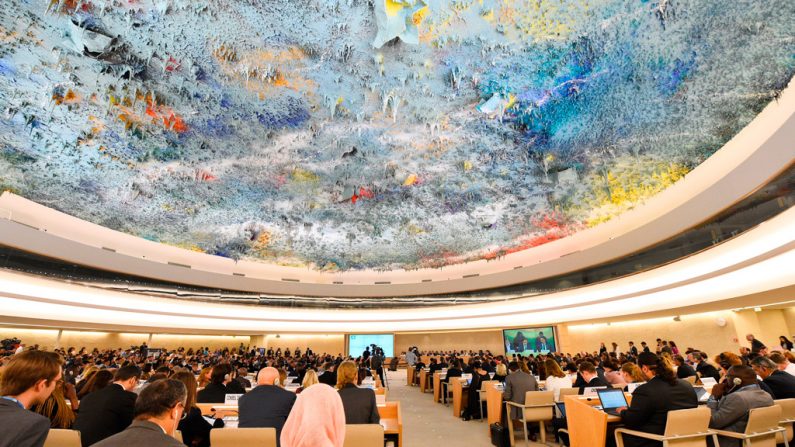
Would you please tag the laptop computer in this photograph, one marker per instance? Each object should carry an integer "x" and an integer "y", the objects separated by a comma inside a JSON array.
[
  {"x": 561, "y": 409},
  {"x": 611, "y": 399},
  {"x": 708, "y": 382},
  {"x": 702, "y": 394}
]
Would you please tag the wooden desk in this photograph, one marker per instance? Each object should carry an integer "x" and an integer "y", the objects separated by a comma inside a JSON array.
[
  {"x": 437, "y": 386},
  {"x": 411, "y": 376},
  {"x": 494, "y": 405},
  {"x": 460, "y": 395},
  {"x": 392, "y": 420},
  {"x": 587, "y": 425},
  {"x": 424, "y": 379}
]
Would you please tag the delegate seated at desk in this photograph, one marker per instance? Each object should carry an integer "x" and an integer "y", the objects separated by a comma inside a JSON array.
[
  {"x": 652, "y": 401},
  {"x": 517, "y": 384}
]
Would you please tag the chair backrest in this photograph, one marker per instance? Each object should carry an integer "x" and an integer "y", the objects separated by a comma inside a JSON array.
[
  {"x": 787, "y": 418},
  {"x": 539, "y": 398},
  {"x": 688, "y": 422},
  {"x": 567, "y": 392},
  {"x": 363, "y": 435},
  {"x": 205, "y": 408},
  {"x": 484, "y": 385},
  {"x": 249, "y": 437},
  {"x": 691, "y": 379},
  {"x": 761, "y": 420},
  {"x": 62, "y": 438},
  {"x": 178, "y": 435}
]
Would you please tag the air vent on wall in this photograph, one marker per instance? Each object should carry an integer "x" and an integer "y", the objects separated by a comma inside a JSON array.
[
  {"x": 239, "y": 274},
  {"x": 177, "y": 264},
  {"x": 291, "y": 280},
  {"x": 382, "y": 282},
  {"x": 471, "y": 276}
]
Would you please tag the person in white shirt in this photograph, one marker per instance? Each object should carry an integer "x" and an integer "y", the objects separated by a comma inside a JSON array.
[
  {"x": 783, "y": 363},
  {"x": 556, "y": 378},
  {"x": 411, "y": 358},
  {"x": 21, "y": 348}
]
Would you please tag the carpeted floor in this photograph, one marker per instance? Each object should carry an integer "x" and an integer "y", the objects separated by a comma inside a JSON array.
[{"x": 426, "y": 423}]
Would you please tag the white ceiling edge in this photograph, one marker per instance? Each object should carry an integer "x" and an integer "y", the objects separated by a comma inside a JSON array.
[
  {"x": 752, "y": 158},
  {"x": 756, "y": 262}
]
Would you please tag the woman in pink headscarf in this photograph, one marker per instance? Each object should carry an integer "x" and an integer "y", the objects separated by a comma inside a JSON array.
[{"x": 316, "y": 420}]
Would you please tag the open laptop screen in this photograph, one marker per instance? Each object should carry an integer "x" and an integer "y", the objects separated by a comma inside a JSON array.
[{"x": 612, "y": 398}]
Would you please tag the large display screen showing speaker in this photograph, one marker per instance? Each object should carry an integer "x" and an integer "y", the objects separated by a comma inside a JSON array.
[
  {"x": 534, "y": 340},
  {"x": 357, "y": 343}
]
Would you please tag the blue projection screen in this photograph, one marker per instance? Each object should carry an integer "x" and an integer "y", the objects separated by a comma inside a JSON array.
[{"x": 358, "y": 342}]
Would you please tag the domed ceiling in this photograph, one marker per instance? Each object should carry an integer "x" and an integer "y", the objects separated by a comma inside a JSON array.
[{"x": 378, "y": 134}]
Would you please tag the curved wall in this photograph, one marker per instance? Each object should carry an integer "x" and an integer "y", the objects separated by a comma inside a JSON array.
[{"x": 754, "y": 268}]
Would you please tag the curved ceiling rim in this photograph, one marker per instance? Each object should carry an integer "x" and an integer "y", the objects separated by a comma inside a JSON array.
[
  {"x": 770, "y": 254},
  {"x": 635, "y": 306},
  {"x": 723, "y": 179},
  {"x": 772, "y": 235}
]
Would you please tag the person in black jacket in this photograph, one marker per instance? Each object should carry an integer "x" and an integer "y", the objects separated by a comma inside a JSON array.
[
  {"x": 267, "y": 405},
  {"x": 110, "y": 410},
  {"x": 652, "y": 401},
  {"x": 215, "y": 392},
  {"x": 590, "y": 378},
  {"x": 780, "y": 383},
  {"x": 359, "y": 403},
  {"x": 195, "y": 429},
  {"x": 703, "y": 368},
  {"x": 683, "y": 370}
]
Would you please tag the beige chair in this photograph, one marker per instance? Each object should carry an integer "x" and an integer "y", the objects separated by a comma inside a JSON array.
[
  {"x": 761, "y": 430},
  {"x": 683, "y": 428},
  {"x": 482, "y": 392},
  {"x": 787, "y": 419},
  {"x": 567, "y": 392},
  {"x": 691, "y": 379},
  {"x": 178, "y": 435},
  {"x": 249, "y": 437},
  {"x": 537, "y": 407},
  {"x": 62, "y": 438},
  {"x": 363, "y": 435}
]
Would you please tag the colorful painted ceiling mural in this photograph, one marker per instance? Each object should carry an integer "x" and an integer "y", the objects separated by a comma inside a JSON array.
[{"x": 384, "y": 134}]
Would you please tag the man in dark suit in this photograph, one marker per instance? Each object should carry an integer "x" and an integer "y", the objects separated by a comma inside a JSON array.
[
  {"x": 157, "y": 413},
  {"x": 359, "y": 403},
  {"x": 781, "y": 384},
  {"x": 703, "y": 368},
  {"x": 108, "y": 411},
  {"x": 542, "y": 345},
  {"x": 329, "y": 376},
  {"x": 652, "y": 401},
  {"x": 28, "y": 379},
  {"x": 683, "y": 370},
  {"x": 267, "y": 405},
  {"x": 633, "y": 350},
  {"x": 590, "y": 377}
]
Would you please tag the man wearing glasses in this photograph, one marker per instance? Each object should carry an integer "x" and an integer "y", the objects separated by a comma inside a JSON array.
[
  {"x": 105, "y": 412},
  {"x": 158, "y": 411}
]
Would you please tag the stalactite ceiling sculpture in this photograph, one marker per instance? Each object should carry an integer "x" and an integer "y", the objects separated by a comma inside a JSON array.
[{"x": 384, "y": 134}]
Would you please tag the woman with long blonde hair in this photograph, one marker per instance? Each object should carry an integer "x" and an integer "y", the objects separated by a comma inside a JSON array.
[
  {"x": 310, "y": 378},
  {"x": 204, "y": 376},
  {"x": 359, "y": 403}
]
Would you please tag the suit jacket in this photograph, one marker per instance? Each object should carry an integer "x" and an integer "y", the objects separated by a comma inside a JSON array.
[
  {"x": 21, "y": 427},
  {"x": 704, "y": 369},
  {"x": 213, "y": 393},
  {"x": 195, "y": 429},
  {"x": 781, "y": 384},
  {"x": 731, "y": 412},
  {"x": 516, "y": 385},
  {"x": 685, "y": 371},
  {"x": 266, "y": 406},
  {"x": 651, "y": 403},
  {"x": 104, "y": 413},
  {"x": 359, "y": 405},
  {"x": 329, "y": 378},
  {"x": 142, "y": 433}
]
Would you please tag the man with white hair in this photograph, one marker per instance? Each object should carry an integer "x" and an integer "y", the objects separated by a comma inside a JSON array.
[{"x": 267, "y": 405}]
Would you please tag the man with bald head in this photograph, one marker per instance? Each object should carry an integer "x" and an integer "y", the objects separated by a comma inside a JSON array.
[{"x": 267, "y": 405}]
